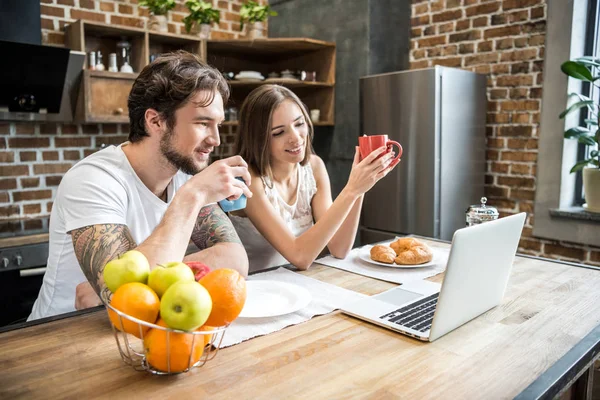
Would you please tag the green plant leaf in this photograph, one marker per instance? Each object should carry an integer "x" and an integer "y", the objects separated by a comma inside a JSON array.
[
  {"x": 576, "y": 132},
  {"x": 251, "y": 11},
  {"x": 580, "y": 165},
  {"x": 579, "y": 96},
  {"x": 187, "y": 21},
  {"x": 591, "y": 122},
  {"x": 158, "y": 7},
  {"x": 594, "y": 153},
  {"x": 202, "y": 12},
  {"x": 587, "y": 140},
  {"x": 589, "y": 58},
  {"x": 577, "y": 70},
  {"x": 591, "y": 63},
  {"x": 576, "y": 106}
]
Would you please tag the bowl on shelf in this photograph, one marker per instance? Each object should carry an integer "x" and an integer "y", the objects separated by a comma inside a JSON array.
[{"x": 250, "y": 75}]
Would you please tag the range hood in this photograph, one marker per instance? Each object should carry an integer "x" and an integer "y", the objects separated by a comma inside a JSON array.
[{"x": 39, "y": 83}]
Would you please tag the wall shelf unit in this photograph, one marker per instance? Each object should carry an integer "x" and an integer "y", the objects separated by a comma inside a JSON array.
[
  {"x": 276, "y": 55},
  {"x": 103, "y": 95}
]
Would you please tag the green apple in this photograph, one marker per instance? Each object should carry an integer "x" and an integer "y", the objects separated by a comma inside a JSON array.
[
  {"x": 185, "y": 306},
  {"x": 131, "y": 266},
  {"x": 164, "y": 275}
]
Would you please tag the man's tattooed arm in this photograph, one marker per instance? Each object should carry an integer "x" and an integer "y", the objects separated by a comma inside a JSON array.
[
  {"x": 212, "y": 227},
  {"x": 96, "y": 245}
]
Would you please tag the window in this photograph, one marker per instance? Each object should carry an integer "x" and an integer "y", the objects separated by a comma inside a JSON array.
[
  {"x": 555, "y": 216},
  {"x": 591, "y": 48}
]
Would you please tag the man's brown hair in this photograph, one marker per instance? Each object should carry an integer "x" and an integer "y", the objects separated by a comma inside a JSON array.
[
  {"x": 254, "y": 131},
  {"x": 167, "y": 84}
]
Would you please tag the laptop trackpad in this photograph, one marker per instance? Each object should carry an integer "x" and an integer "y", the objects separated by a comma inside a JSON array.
[{"x": 397, "y": 296}]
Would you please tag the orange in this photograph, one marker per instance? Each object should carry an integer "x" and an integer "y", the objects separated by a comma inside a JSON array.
[
  {"x": 227, "y": 288},
  {"x": 207, "y": 338},
  {"x": 181, "y": 346},
  {"x": 137, "y": 300}
]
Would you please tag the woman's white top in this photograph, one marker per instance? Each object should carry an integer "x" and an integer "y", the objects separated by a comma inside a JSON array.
[{"x": 298, "y": 218}]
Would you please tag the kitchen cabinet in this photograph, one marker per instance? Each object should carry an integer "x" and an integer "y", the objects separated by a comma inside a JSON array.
[
  {"x": 103, "y": 95},
  {"x": 277, "y": 55}
]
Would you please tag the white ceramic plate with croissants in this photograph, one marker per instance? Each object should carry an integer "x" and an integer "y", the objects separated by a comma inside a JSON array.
[{"x": 400, "y": 253}]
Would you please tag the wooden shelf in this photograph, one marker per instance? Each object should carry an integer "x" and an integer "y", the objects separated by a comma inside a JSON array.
[
  {"x": 266, "y": 47},
  {"x": 173, "y": 38},
  {"x": 277, "y": 55},
  {"x": 101, "y": 29},
  {"x": 320, "y": 123},
  {"x": 283, "y": 82},
  {"x": 103, "y": 94},
  {"x": 108, "y": 74}
]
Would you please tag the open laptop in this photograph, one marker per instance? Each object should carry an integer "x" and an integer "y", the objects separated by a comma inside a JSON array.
[{"x": 476, "y": 277}]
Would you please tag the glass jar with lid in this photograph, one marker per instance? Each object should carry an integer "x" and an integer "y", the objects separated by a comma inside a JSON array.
[{"x": 477, "y": 214}]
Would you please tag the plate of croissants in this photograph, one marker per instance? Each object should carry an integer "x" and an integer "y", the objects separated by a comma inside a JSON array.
[{"x": 401, "y": 253}]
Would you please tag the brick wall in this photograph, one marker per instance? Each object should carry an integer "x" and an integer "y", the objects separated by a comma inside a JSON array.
[
  {"x": 503, "y": 39},
  {"x": 34, "y": 157}
]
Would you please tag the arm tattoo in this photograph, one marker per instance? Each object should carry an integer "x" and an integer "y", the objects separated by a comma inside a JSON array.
[
  {"x": 212, "y": 227},
  {"x": 96, "y": 245}
]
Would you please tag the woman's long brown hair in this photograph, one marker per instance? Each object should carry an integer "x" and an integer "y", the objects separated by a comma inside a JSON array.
[{"x": 254, "y": 131}]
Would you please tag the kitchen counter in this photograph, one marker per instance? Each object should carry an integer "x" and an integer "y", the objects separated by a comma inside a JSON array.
[
  {"x": 21, "y": 232},
  {"x": 23, "y": 240},
  {"x": 533, "y": 345}
]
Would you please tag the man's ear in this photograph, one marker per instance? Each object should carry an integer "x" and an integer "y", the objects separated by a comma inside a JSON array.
[{"x": 154, "y": 123}]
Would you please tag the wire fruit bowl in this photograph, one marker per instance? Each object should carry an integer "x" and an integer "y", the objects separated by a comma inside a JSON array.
[{"x": 134, "y": 352}]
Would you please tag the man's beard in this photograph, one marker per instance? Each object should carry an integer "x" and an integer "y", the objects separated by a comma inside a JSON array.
[{"x": 185, "y": 164}]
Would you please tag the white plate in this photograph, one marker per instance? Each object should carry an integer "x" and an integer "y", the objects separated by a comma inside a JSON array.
[
  {"x": 237, "y": 78},
  {"x": 365, "y": 255},
  {"x": 256, "y": 73},
  {"x": 249, "y": 76},
  {"x": 272, "y": 298}
]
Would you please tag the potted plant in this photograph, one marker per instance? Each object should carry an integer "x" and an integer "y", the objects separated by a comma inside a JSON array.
[
  {"x": 158, "y": 13},
  {"x": 202, "y": 14},
  {"x": 586, "y": 69},
  {"x": 254, "y": 14}
]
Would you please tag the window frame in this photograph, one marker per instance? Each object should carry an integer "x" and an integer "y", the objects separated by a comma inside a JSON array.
[
  {"x": 590, "y": 49},
  {"x": 555, "y": 185}
]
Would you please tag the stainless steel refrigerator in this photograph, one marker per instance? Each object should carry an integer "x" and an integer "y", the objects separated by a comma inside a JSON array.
[{"x": 438, "y": 115}]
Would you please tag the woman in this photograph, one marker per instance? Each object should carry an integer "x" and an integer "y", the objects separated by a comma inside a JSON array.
[{"x": 291, "y": 216}]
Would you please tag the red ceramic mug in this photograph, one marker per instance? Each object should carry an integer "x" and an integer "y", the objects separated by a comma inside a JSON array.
[{"x": 367, "y": 144}]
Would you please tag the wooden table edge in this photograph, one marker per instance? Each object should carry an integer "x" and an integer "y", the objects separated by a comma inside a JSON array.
[{"x": 566, "y": 371}]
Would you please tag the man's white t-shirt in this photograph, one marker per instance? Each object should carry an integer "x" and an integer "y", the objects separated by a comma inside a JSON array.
[{"x": 103, "y": 188}]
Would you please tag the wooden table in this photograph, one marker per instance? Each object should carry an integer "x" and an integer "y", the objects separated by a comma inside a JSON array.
[{"x": 534, "y": 344}]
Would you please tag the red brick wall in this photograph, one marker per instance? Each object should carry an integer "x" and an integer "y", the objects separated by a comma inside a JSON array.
[
  {"x": 503, "y": 39},
  {"x": 57, "y": 13},
  {"x": 34, "y": 157}
]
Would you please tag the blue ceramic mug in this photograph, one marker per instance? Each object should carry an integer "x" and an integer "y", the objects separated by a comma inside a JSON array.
[{"x": 234, "y": 205}]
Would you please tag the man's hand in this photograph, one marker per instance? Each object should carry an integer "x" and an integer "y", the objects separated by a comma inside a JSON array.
[
  {"x": 86, "y": 297},
  {"x": 217, "y": 181}
]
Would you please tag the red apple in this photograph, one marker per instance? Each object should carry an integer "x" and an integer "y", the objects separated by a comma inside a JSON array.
[{"x": 198, "y": 268}]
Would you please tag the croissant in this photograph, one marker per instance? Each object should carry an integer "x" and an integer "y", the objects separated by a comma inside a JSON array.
[
  {"x": 383, "y": 254},
  {"x": 411, "y": 251}
]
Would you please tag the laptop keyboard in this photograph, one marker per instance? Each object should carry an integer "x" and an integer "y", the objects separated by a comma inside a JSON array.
[{"x": 417, "y": 315}]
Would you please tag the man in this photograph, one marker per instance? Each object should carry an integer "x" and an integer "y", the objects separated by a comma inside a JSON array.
[{"x": 140, "y": 195}]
